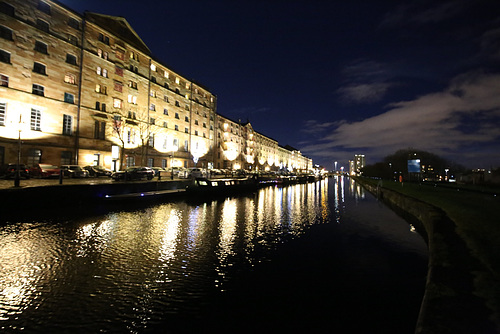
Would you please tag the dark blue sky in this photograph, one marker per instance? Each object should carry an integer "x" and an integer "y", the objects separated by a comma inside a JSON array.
[{"x": 338, "y": 78}]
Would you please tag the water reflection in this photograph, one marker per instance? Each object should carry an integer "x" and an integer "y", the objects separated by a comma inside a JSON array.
[{"x": 127, "y": 270}]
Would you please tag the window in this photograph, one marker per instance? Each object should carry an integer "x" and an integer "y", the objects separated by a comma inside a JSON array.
[
  {"x": 152, "y": 107},
  {"x": 38, "y": 90},
  {"x": 74, "y": 23},
  {"x": 104, "y": 39},
  {"x": 100, "y": 89},
  {"x": 131, "y": 114},
  {"x": 67, "y": 125},
  {"x": 134, "y": 69},
  {"x": 104, "y": 72},
  {"x": 36, "y": 117},
  {"x": 164, "y": 161},
  {"x": 177, "y": 80},
  {"x": 44, "y": 7},
  {"x": 177, "y": 104},
  {"x": 70, "y": 59},
  {"x": 150, "y": 161},
  {"x": 134, "y": 56},
  {"x": 153, "y": 79},
  {"x": 165, "y": 111},
  {"x": 70, "y": 78},
  {"x": 195, "y": 122},
  {"x": 152, "y": 93},
  {"x": 177, "y": 115},
  {"x": 102, "y": 54},
  {"x": 73, "y": 39},
  {"x": 176, "y": 127},
  {"x": 165, "y": 98},
  {"x": 42, "y": 25},
  {"x": 152, "y": 140},
  {"x": 186, "y": 119},
  {"x": 69, "y": 98},
  {"x": 34, "y": 156},
  {"x": 3, "y": 110},
  {"x": 117, "y": 103},
  {"x": 204, "y": 125},
  {"x": 166, "y": 85},
  {"x": 99, "y": 129},
  {"x": 186, "y": 130},
  {"x": 7, "y": 9},
  {"x": 186, "y": 146},
  {"x": 39, "y": 68},
  {"x": 66, "y": 157},
  {"x": 103, "y": 106},
  {"x": 119, "y": 71},
  {"x": 132, "y": 99},
  {"x": 4, "y": 80},
  {"x": 41, "y": 47},
  {"x": 6, "y": 33},
  {"x": 130, "y": 161},
  {"x": 4, "y": 57},
  {"x": 132, "y": 84},
  {"x": 118, "y": 86},
  {"x": 152, "y": 120},
  {"x": 165, "y": 124},
  {"x": 98, "y": 70},
  {"x": 195, "y": 132},
  {"x": 153, "y": 67}
]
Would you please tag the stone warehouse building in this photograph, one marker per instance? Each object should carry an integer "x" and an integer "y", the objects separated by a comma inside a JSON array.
[{"x": 85, "y": 89}]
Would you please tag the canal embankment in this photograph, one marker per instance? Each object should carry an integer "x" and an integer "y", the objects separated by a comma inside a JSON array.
[{"x": 462, "y": 292}]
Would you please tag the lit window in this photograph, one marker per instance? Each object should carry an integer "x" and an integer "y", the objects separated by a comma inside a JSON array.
[
  {"x": 3, "y": 110},
  {"x": 98, "y": 70},
  {"x": 104, "y": 72},
  {"x": 117, "y": 103},
  {"x": 100, "y": 89},
  {"x": 187, "y": 85},
  {"x": 67, "y": 124},
  {"x": 165, "y": 74},
  {"x": 69, "y": 98},
  {"x": 153, "y": 67},
  {"x": 177, "y": 80},
  {"x": 132, "y": 84},
  {"x": 36, "y": 118},
  {"x": 132, "y": 99},
  {"x": 4, "y": 80},
  {"x": 38, "y": 90}
]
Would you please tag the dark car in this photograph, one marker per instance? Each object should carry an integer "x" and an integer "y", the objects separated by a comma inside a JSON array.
[
  {"x": 96, "y": 171},
  {"x": 45, "y": 171},
  {"x": 134, "y": 173},
  {"x": 10, "y": 171},
  {"x": 74, "y": 171}
]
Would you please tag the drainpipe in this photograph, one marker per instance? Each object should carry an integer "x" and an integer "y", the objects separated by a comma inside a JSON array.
[{"x": 78, "y": 112}]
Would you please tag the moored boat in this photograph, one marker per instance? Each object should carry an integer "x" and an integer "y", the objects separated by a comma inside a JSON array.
[{"x": 226, "y": 186}]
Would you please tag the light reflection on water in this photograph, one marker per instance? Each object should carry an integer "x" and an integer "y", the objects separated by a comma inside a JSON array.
[{"x": 127, "y": 270}]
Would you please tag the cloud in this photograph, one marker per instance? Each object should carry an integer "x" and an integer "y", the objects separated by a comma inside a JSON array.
[
  {"x": 364, "y": 92},
  {"x": 437, "y": 122}
]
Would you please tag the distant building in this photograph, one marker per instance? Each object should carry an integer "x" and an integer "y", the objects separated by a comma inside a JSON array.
[{"x": 357, "y": 164}]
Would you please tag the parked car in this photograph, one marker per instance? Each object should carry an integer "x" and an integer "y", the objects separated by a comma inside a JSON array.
[
  {"x": 74, "y": 171},
  {"x": 134, "y": 173},
  {"x": 196, "y": 172},
  {"x": 96, "y": 171},
  {"x": 10, "y": 170},
  {"x": 45, "y": 171}
]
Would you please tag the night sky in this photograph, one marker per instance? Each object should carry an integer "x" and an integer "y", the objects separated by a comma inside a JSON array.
[{"x": 338, "y": 78}]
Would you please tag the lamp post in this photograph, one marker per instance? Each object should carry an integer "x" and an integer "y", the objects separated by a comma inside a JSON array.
[{"x": 17, "y": 178}]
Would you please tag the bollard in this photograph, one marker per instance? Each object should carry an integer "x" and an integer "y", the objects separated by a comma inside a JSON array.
[{"x": 61, "y": 173}]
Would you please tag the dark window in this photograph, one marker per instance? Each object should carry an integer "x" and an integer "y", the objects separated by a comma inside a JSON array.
[
  {"x": 7, "y": 9},
  {"x": 177, "y": 115},
  {"x": 38, "y": 90},
  {"x": 6, "y": 33},
  {"x": 165, "y": 85},
  {"x": 186, "y": 119},
  {"x": 104, "y": 39},
  {"x": 177, "y": 104},
  {"x": 97, "y": 105},
  {"x": 4, "y": 80},
  {"x": 99, "y": 130},
  {"x": 153, "y": 79},
  {"x": 152, "y": 120},
  {"x": 39, "y": 68},
  {"x": 34, "y": 156},
  {"x": 66, "y": 157},
  {"x": 73, "y": 23},
  {"x": 69, "y": 98},
  {"x": 103, "y": 106},
  {"x": 73, "y": 40},
  {"x": 40, "y": 47},
  {"x": 42, "y": 25},
  {"x": 44, "y": 7},
  {"x": 70, "y": 59},
  {"x": 4, "y": 57},
  {"x": 165, "y": 111}
]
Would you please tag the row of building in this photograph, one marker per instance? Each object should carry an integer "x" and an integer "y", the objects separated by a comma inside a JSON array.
[{"x": 85, "y": 89}]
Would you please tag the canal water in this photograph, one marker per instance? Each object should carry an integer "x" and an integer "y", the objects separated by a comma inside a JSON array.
[{"x": 323, "y": 257}]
